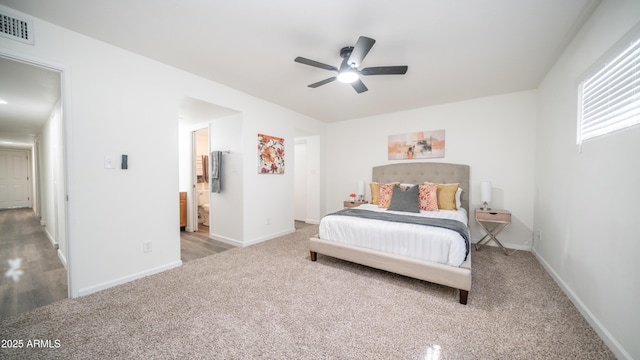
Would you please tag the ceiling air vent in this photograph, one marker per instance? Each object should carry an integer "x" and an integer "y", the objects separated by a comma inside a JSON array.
[{"x": 15, "y": 28}]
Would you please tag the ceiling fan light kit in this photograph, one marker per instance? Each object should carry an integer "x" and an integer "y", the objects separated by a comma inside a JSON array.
[
  {"x": 348, "y": 76},
  {"x": 352, "y": 58}
]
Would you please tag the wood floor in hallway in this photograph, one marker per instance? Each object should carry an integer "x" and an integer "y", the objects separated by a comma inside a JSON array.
[
  {"x": 197, "y": 244},
  {"x": 44, "y": 278}
]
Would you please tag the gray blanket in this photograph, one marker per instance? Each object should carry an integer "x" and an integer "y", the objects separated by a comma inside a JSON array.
[{"x": 454, "y": 225}]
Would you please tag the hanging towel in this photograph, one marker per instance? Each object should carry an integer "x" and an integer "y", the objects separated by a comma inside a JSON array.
[{"x": 216, "y": 171}]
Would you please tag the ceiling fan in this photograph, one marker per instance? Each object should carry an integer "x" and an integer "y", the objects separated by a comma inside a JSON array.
[{"x": 348, "y": 71}]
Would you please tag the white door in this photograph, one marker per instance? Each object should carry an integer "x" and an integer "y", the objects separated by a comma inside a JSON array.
[{"x": 14, "y": 179}]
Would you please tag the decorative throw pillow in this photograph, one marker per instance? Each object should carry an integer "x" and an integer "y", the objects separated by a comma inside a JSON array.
[
  {"x": 458, "y": 198},
  {"x": 428, "y": 197},
  {"x": 447, "y": 196},
  {"x": 386, "y": 191},
  {"x": 405, "y": 200},
  {"x": 375, "y": 192}
]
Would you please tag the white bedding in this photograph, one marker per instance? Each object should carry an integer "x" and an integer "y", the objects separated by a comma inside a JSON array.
[{"x": 429, "y": 243}]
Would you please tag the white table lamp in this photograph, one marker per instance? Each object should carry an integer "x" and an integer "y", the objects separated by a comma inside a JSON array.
[
  {"x": 361, "y": 190},
  {"x": 485, "y": 194}
]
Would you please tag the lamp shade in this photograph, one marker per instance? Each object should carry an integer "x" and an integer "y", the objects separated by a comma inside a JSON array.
[
  {"x": 485, "y": 191},
  {"x": 361, "y": 188}
]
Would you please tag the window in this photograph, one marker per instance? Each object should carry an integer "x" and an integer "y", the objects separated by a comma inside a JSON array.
[{"x": 609, "y": 97}]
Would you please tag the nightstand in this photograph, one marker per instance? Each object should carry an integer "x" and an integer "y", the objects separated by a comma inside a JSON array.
[
  {"x": 351, "y": 204},
  {"x": 496, "y": 220}
]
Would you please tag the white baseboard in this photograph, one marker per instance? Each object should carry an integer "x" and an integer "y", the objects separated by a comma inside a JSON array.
[
  {"x": 237, "y": 243},
  {"x": 506, "y": 245},
  {"x": 604, "y": 334},
  {"x": 269, "y": 237},
  {"x": 62, "y": 258},
  {"x": 126, "y": 279},
  {"x": 53, "y": 241},
  {"x": 309, "y": 221},
  {"x": 226, "y": 240}
]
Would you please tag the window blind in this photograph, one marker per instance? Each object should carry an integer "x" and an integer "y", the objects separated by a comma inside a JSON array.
[{"x": 609, "y": 100}]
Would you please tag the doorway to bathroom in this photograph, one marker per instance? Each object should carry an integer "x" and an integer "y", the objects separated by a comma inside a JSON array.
[{"x": 201, "y": 179}]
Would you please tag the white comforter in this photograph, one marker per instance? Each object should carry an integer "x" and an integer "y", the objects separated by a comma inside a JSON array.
[{"x": 429, "y": 243}]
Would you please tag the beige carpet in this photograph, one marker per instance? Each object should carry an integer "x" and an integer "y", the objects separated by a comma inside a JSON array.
[{"x": 270, "y": 301}]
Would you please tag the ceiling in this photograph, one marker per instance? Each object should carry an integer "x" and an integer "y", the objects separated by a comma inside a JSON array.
[
  {"x": 30, "y": 93},
  {"x": 455, "y": 50}
]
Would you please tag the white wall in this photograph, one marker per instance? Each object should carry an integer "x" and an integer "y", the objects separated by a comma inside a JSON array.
[
  {"x": 269, "y": 198},
  {"x": 226, "y": 207},
  {"x": 116, "y": 99},
  {"x": 494, "y": 135},
  {"x": 52, "y": 181},
  {"x": 587, "y": 203}
]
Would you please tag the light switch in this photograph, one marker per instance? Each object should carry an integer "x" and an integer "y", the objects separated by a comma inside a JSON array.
[{"x": 109, "y": 162}]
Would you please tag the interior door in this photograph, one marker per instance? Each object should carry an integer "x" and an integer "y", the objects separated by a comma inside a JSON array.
[{"x": 14, "y": 179}]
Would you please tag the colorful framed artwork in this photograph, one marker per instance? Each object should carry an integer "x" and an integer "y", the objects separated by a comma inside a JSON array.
[
  {"x": 418, "y": 145},
  {"x": 270, "y": 154}
]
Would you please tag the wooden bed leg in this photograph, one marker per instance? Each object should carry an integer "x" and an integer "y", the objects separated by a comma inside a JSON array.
[
  {"x": 464, "y": 294},
  {"x": 314, "y": 255}
]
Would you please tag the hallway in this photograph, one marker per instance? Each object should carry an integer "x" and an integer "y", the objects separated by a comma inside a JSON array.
[{"x": 44, "y": 280}]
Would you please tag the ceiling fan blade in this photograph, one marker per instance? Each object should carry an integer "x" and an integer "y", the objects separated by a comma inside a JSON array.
[
  {"x": 358, "y": 86},
  {"x": 320, "y": 83},
  {"x": 320, "y": 65},
  {"x": 384, "y": 70},
  {"x": 363, "y": 45}
]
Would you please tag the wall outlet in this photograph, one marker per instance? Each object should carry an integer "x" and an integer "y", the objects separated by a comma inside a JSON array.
[
  {"x": 146, "y": 247},
  {"x": 267, "y": 221}
]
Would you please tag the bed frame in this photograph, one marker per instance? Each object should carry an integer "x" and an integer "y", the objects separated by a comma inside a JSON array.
[{"x": 410, "y": 173}]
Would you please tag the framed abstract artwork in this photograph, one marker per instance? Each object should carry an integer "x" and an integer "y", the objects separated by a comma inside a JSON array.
[
  {"x": 270, "y": 154},
  {"x": 418, "y": 145}
]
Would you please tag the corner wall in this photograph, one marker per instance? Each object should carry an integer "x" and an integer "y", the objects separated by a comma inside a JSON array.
[{"x": 586, "y": 204}]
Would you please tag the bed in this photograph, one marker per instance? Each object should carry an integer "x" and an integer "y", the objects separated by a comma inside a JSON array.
[{"x": 446, "y": 273}]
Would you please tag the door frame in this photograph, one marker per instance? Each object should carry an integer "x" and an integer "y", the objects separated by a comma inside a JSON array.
[
  {"x": 194, "y": 183},
  {"x": 194, "y": 174},
  {"x": 66, "y": 167}
]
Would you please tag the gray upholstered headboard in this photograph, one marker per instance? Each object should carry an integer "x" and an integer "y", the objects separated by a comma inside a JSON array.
[{"x": 416, "y": 173}]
